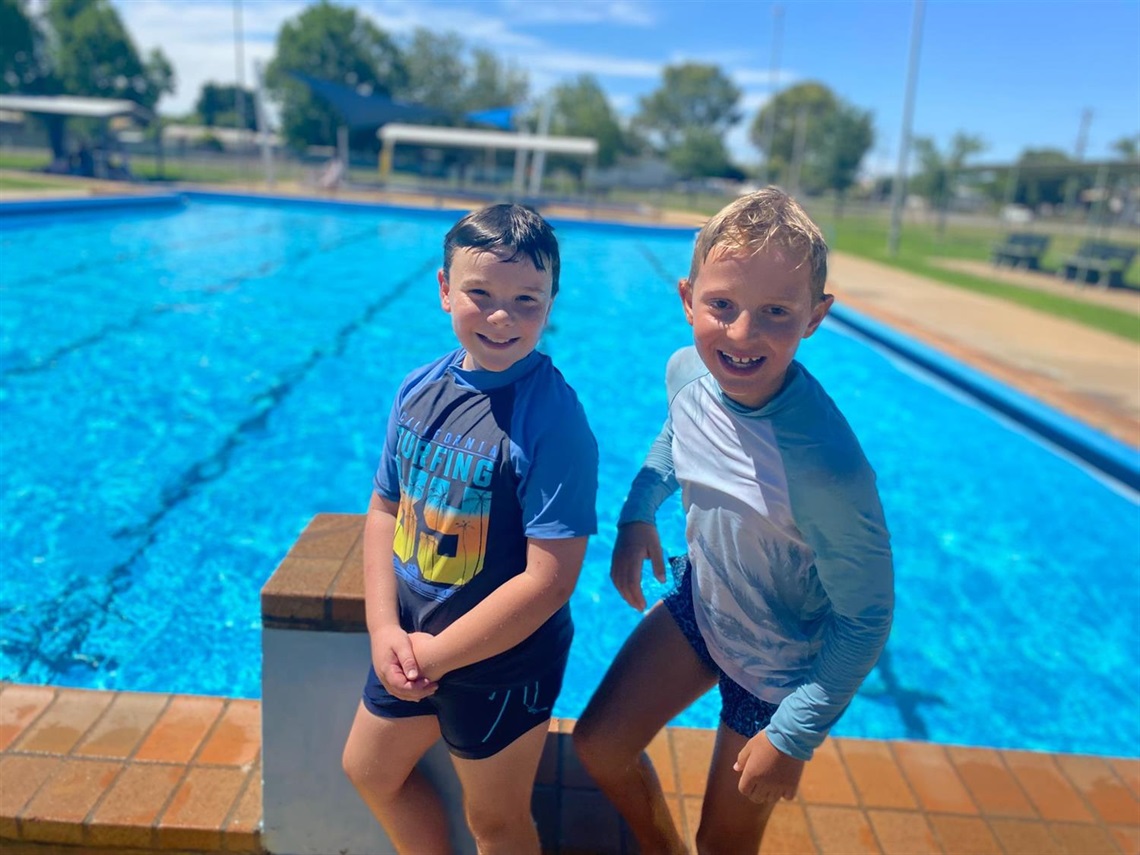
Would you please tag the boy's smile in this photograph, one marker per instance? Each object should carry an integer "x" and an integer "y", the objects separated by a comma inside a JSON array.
[
  {"x": 749, "y": 312},
  {"x": 498, "y": 308}
]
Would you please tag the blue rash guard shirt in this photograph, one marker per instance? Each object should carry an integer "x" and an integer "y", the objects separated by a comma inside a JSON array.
[
  {"x": 793, "y": 585},
  {"x": 478, "y": 462}
]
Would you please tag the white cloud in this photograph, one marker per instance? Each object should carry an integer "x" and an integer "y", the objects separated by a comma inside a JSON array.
[{"x": 629, "y": 12}]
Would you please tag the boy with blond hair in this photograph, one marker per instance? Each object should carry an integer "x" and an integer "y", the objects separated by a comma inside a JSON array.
[
  {"x": 474, "y": 538},
  {"x": 785, "y": 598}
]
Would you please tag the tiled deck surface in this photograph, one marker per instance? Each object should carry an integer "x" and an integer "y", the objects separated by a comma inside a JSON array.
[{"x": 141, "y": 773}]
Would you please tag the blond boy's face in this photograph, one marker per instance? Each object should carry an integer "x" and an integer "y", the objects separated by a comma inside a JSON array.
[
  {"x": 749, "y": 313},
  {"x": 498, "y": 308}
]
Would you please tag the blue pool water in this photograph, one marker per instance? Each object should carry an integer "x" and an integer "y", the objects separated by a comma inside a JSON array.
[{"x": 182, "y": 389}]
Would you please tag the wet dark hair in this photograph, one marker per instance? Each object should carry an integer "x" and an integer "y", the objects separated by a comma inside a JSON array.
[{"x": 508, "y": 231}]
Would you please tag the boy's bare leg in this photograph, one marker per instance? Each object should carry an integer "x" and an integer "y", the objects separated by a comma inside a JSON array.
[
  {"x": 731, "y": 824},
  {"x": 656, "y": 675},
  {"x": 380, "y": 759},
  {"x": 497, "y": 792}
]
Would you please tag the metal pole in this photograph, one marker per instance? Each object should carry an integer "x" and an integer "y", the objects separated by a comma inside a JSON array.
[
  {"x": 770, "y": 118},
  {"x": 898, "y": 189},
  {"x": 239, "y": 62}
]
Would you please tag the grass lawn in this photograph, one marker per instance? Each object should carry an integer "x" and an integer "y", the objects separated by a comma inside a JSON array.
[{"x": 867, "y": 238}]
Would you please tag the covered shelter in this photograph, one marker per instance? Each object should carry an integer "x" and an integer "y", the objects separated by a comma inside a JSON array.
[
  {"x": 56, "y": 109},
  {"x": 520, "y": 143}
]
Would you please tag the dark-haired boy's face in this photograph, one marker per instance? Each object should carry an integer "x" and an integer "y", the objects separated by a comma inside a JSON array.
[
  {"x": 498, "y": 308},
  {"x": 749, "y": 313}
]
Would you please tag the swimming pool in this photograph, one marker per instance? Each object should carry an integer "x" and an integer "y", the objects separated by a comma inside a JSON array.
[{"x": 184, "y": 387}]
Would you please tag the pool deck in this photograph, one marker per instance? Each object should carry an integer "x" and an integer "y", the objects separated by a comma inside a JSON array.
[{"x": 90, "y": 771}]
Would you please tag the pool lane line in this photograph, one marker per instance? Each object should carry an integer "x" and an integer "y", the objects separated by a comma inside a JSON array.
[
  {"x": 141, "y": 316},
  {"x": 202, "y": 472},
  {"x": 906, "y": 701}
]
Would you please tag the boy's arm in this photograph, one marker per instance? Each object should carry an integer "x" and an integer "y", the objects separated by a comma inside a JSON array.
[
  {"x": 853, "y": 563},
  {"x": 392, "y": 655},
  {"x": 511, "y": 613}
]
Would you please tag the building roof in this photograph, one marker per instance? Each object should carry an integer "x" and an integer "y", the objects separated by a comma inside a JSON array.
[
  {"x": 471, "y": 138},
  {"x": 72, "y": 105}
]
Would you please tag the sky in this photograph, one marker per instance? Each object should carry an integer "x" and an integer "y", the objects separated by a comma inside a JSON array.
[{"x": 1048, "y": 73}]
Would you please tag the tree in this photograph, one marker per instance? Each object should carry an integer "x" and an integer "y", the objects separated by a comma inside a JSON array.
[
  {"x": 493, "y": 84},
  {"x": 1128, "y": 148},
  {"x": 818, "y": 141},
  {"x": 1042, "y": 176},
  {"x": 23, "y": 59},
  {"x": 580, "y": 109},
  {"x": 93, "y": 54},
  {"x": 701, "y": 153},
  {"x": 436, "y": 71},
  {"x": 938, "y": 173},
  {"x": 336, "y": 44},
  {"x": 691, "y": 96},
  {"x": 217, "y": 106}
]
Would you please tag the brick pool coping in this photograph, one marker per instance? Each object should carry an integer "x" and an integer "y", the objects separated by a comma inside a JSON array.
[{"x": 136, "y": 772}]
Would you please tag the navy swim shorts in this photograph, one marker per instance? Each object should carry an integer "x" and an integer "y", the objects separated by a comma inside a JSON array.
[
  {"x": 476, "y": 723},
  {"x": 740, "y": 710}
]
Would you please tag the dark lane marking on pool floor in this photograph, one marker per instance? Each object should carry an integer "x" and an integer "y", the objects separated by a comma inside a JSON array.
[
  {"x": 70, "y": 623},
  {"x": 143, "y": 315}
]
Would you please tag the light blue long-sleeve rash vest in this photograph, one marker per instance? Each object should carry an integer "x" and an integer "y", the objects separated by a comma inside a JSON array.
[{"x": 792, "y": 575}]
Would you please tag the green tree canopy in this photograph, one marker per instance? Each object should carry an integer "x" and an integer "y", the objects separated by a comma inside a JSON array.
[
  {"x": 436, "y": 71},
  {"x": 701, "y": 153},
  {"x": 1128, "y": 148},
  {"x": 692, "y": 96},
  {"x": 23, "y": 58},
  {"x": 492, "y": 83},
  {"x": 818, "y": 141},
  {"x": 217, "y": 106},
  {"x": 938, "y": 172},
  {"x": 93, "y": 54},
  {"x": 580, "y": 109},
  {"x": 332, "y": 43}
]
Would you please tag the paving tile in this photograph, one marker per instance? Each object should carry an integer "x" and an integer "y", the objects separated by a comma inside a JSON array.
[
  {"x": 21, "y": 775},
  {"x": 825, "y": 778},
  {"x": 788, "y": 832},
  {"x": 328, "y": 536},
  {"x": 1127, "y": 838},
  {"x": 56, "y": 812},
  {"x": 932, "y": 776},
  {"x": 993, "y": 787},
  {"x": 1022, "y": 837},
  {"x": 123, "y": 726},
  {"x": 236, "y": 738},
  {"x": 64, "y": 722},
  {"x": 878, "y": 779},
  {"x": 1083, "y": 839},
  {"x": 589, "y": 823},
  {"x": 903, "y": 832},
  {"x": 19, "y": 706},
  {"x": 841, "y": 830},
  {"x": 676, "y": 805},
  {"x": 126, "y": 815},
  {"x": 690, "y": 820},
  {"x": 180, "y": 729},
  {"x": 1050, "y": 791},
  {"x": 660, "y": 753},
  {"x": 693, "y": 751},
  {"x": 194, "y": 817},
  {"x": 1096, "y": 780},
  {"x": 296, "y": 591},
  {"x": 1129, "y": 771},
  {"x": 964, "y": 835},
  {"x": 243, "y": 829},
  {"x": 346, "y": 594}
]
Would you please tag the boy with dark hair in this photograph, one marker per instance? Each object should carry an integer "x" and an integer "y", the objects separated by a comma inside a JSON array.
[
  {"x": 474, "y": 538},
  {"x": 786, "y": 595}
]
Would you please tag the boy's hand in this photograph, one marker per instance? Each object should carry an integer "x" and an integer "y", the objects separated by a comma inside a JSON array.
[
  {"x": 635, "y": 542},
  {"x": 396, "y": 666},
  {"x": 767, "y": 774},
  {"x": 425, "y": 648}
]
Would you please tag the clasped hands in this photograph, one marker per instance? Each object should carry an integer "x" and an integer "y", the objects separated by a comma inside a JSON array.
[{"x": 394, "y": 656}]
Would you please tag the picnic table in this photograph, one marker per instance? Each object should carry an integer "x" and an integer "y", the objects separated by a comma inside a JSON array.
[
  {"x": 1021, "y": 248},
  {"x": 1098, "y": 262}
]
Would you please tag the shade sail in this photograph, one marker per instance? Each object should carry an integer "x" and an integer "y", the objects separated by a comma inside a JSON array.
[
  {"x": 365, "y": 111},
  {"x": 72, "y": 105}
]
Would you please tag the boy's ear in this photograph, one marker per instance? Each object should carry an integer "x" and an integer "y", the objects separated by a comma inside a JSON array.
[
  {"x": 444, "y": 291},
  {"x": 818, "y": 313},
  {"x": 685, "y": 290}
]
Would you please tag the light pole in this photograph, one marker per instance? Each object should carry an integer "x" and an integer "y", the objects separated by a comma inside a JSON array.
[
  {"x": 239, "y": 62},
  {"x": 898, "y": 187},
  {"x": 770, "y": 118}
]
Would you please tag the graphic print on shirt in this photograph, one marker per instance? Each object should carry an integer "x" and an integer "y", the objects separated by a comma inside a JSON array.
[{"x": 445, "y": 501}]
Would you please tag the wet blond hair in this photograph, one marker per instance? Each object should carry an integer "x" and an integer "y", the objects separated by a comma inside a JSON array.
[{"x": 756, "y": 221}]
